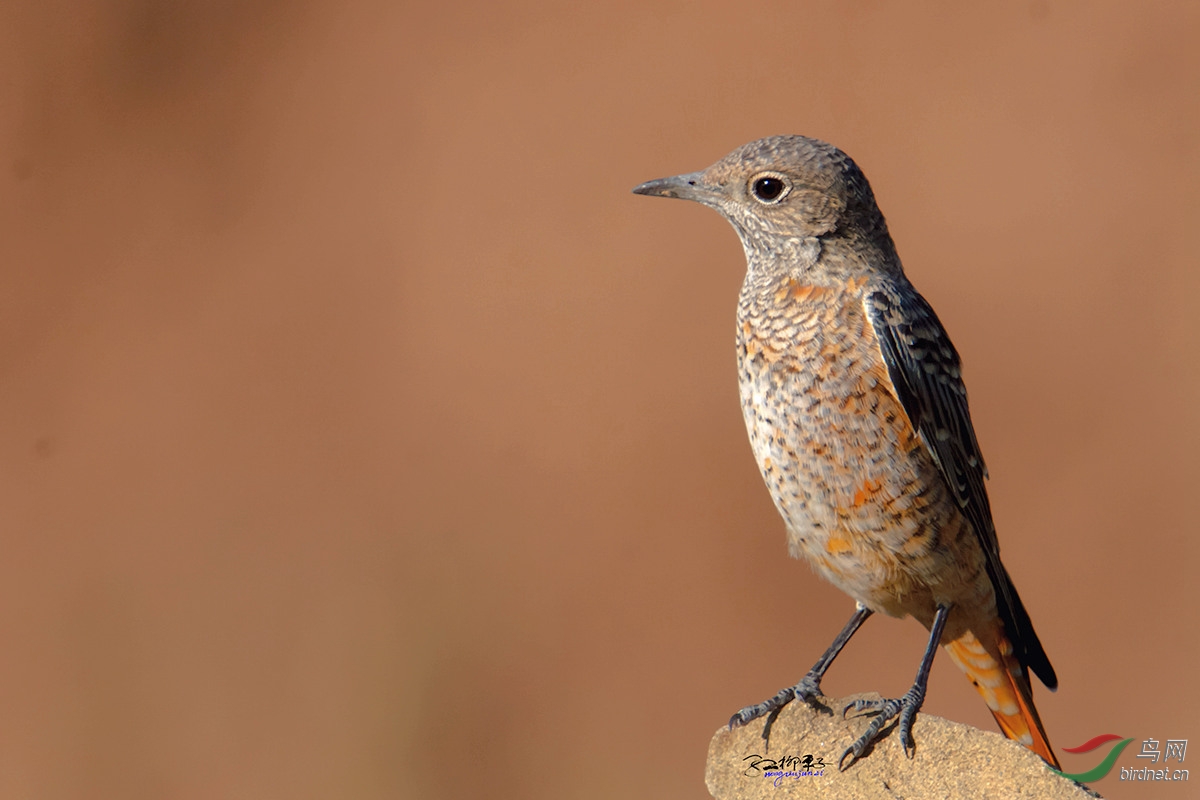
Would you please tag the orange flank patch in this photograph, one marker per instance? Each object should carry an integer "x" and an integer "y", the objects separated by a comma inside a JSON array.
[
  {"x": 879, "y": 372},
  {"x": 864, "y": 492},
  {"x": 802, "y": 292},
  {"x": 854, "y": 284},
  {"x": 797, "y": 292},
  {"x": 836, "y": 545}
]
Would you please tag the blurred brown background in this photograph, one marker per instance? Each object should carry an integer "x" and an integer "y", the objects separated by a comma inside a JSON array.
[{"x": 362, "y": 436}]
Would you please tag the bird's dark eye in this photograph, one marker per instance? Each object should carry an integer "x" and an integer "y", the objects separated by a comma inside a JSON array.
[{"x": 768, "y": 188}]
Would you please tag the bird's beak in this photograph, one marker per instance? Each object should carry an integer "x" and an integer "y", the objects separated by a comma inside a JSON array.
[{"x": 686, "y": 187}]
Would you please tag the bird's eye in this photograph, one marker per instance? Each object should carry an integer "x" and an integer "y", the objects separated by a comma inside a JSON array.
[{"x": 769, "y": 189}]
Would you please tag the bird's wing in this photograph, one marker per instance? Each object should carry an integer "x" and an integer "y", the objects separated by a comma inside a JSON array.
[{"x": 925, "y": 371}]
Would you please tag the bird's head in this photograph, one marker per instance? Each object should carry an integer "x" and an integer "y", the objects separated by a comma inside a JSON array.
[{"x": 780, "y": 193}]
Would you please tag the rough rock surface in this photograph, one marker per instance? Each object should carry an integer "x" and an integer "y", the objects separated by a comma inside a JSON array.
[{"x": 951, "y": 760}]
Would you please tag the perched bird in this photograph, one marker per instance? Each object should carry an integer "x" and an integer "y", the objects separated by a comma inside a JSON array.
[{"x": 857, "y": 415}]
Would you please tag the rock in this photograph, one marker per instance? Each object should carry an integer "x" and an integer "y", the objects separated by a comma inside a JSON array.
[{"x": 951, "y": 761}]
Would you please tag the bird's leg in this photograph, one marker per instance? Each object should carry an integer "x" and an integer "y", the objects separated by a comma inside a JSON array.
[
  {"x": 906, "y": 706},
  {"x": 809, "y": 686}
]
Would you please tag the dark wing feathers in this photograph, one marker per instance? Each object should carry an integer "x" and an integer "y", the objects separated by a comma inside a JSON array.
[{"x": 925, "y": 369}]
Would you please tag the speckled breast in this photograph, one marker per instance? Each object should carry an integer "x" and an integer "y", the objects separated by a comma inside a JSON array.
[{"x": 861, "y": 496}]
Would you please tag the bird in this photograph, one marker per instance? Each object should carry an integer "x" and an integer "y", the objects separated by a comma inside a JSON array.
[{"x": 857, "y": 415}]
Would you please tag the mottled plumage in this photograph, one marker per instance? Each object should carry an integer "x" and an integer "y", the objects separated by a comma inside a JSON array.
[{"x": 857, "y": 415}]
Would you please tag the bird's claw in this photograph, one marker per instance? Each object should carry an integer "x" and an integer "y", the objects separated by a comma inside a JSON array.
[
  {"x": 808, "y": 689},
  {"x": 906, "y": 707}
]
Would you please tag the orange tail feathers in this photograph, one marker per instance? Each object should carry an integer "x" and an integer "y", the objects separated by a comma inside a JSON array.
[{"x": 1005, "y": 688}]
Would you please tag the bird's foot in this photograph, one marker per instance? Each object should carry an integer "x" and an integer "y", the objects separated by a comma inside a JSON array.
[
  {"x": 886, "y": 710},
  {"x": 808, "y": 689}
]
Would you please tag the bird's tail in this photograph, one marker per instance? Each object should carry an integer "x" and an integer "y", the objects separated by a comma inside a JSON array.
[{"x": 1005, "y": 688}]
